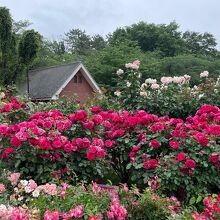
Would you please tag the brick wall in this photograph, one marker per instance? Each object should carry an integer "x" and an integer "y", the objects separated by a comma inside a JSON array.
[{"x": 79, "y": 88}]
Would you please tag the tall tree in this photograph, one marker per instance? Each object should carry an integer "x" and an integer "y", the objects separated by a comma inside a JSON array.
[
  {"x": 6, "y": 41},
  {"x": 78, "y": 41},
  {"x": 17, "y": 51},
  {"x": 150, "y": 37},
  {"x": 98, "y": 42},
  {"x": 20, "y": 26},
  {"x": 200, "y": 43}
]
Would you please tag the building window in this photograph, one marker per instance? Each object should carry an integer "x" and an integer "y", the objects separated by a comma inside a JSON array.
[
  {"x": 80, "y": 79},
  {"x": 75, "y": 79}
]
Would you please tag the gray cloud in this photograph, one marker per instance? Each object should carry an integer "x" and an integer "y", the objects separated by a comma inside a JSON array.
[{"x": 54, "y": 17}]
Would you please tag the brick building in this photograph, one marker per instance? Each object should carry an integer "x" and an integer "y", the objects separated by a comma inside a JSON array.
[{"x": 65, "y": 81}]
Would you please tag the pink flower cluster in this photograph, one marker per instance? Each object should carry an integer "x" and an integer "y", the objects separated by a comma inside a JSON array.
[
  {"x": 14, "y": 213},
  {"x": 211, "y": 211},
  {"x": 13, "y": 104},
  {"x": 116, "y": 211}
]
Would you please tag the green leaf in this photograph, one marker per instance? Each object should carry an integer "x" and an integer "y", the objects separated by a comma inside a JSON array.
[
  {"x": 192, "y": 201},
  {"x": 199, "y": 199}
]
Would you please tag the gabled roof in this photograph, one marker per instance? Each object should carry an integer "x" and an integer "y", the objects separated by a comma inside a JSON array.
[{"x": 47, "y": 83}]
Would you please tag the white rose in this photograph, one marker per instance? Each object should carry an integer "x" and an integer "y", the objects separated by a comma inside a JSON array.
[
  {"x": 143, "y": 94},
  {"x": 155, "y": 86},
  {"x": 119, "y": 72},
  {"x": 20, "y": 198},
  {"x": 166, "y": 80},
  {"x": 117, "y": 93},
  {"x": 179, "y": 79},
  {"x": 128, "y": 84},
  {"x": 187, "y": 77},
  {"x": 204, "y": 74},
  {"x": 27, "y": 189},
  {"x": 2, "y": 95},
  {"x": 24, "y": 182},
  {"x": 150, "y": 81},
  {"x": 128, "y": 65},
  {"x": 132, "y": 66},
  {"x": 35, "y": 193}
]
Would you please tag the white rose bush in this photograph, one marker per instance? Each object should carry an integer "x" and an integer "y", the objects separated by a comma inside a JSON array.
[{"x": 174, "y": 96}]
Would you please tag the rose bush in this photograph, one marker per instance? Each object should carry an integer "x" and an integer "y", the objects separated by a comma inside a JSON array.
[
  {"x": 135, "y": 147},
  {"x": 26, "y": 200},
  {"x": 173, "y": 96}
]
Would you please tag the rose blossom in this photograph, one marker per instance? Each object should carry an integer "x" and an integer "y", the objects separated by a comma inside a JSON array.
[
  {"x": 2, "y": 188},
  {"x": 204, "y": 74},
  {"x": 77, "y": 212},
  {"x": 166, "y": 80},
  {"x": 13, "y": 178},
  {"x": 128, "y": 84},
  {"x": 214, "y": 158},
  {"x": 119, "y": 72},
  {"x": 174, "y": 144},
  {"x": 181, "y": 156},
  {"x": 151, "y": 81},
  {"x": 154, "y": 143},
  {"x": 155, "y": 86},
  {"x": 117, "y": 93},
  {"x": 143, "y": 94},
  {"x": 190, "y": 163}
]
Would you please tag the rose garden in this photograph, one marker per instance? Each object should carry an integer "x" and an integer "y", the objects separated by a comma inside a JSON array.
[{"x": 148, "y": 150}]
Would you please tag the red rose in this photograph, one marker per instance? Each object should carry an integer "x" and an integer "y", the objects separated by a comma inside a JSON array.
[
  {"x": 48, "y": 125},
  {"x": 57, "y": 143},
  {"x": 96, "y": 109},
  {"x": 190, "y": 163},
  {"x": 44, "y": 143},
  {"x": 79, "y": 142},
  {"x": 88, "y": 125},
  {"x": 7, "y": 152},
  {"x": 214, "y": 158},
  {"x": 100, "y": 152},
  {"x": 108, "y": 143},
  {"x": 136, "y": 148},
  {"x": 201, "y": 138},
  {"x": 107, "y": 124},
  {"x": 150, "y": 164},
  {"x": 97, "y": 119},
  {"x": 120, "y": 133},
  {"x": 80, "y": 115},
  {"x": 15, "y": 142},
  {"x": 68, "y": 148},
  {"x": 154, "y": 143},
  {"x": 3, "y": 129},
  {"x": 174, "y": 144},
  {"x": 131, "y": 154},
  {"x": 90, "y": 156},
  {"x": 85, "y": 143},
  {"x": 181, "y": 156}
]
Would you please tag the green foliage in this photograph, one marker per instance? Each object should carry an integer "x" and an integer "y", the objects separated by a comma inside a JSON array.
[
  {"x": 104, "y": 63},
  {"x": 151, "y": 37},
  {"x": 200, "y": 44},
  {"x": 14, "y": 59},
  {"x": 29, "y": 46},
  {"x": 80, "y": 43},
  {"x": 151, "y": 207},
  {"x": 5, "y": 30}
]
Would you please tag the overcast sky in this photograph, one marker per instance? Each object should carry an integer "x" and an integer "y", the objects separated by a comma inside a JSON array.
[{"x": 52, "y": 18}]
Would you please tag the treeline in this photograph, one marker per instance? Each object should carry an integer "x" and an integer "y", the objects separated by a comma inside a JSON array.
[{"x": 163, "y": 50}]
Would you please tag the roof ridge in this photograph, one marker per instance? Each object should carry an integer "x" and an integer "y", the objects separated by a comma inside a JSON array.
[{"x": 50, "y": 67}]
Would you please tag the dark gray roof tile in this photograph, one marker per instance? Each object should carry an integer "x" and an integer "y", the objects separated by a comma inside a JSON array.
[{"x": 43, "y": 83}]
